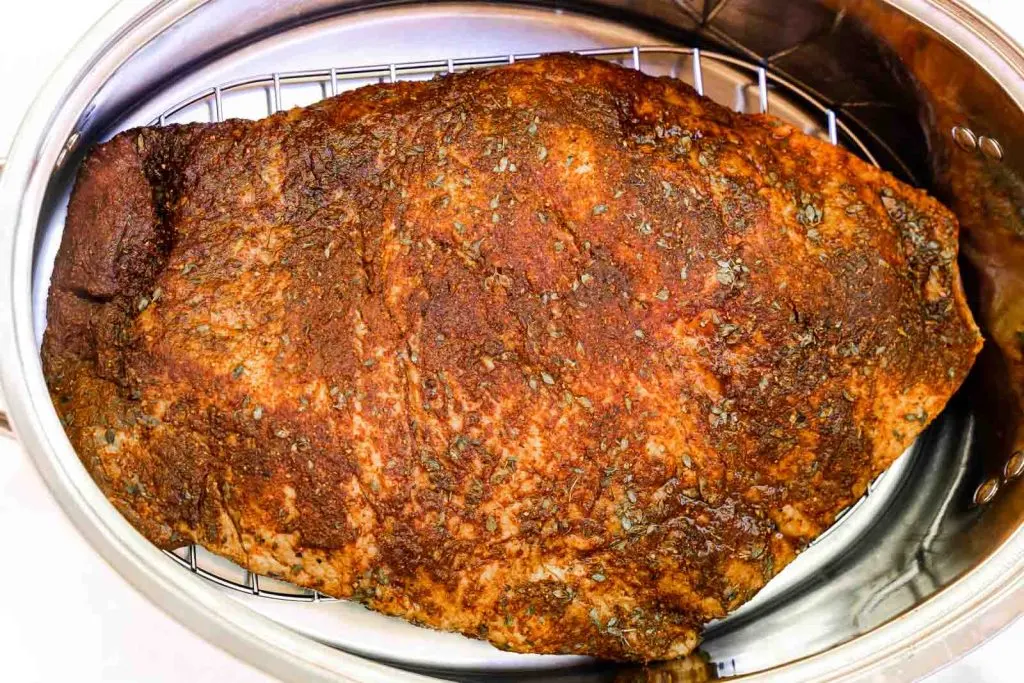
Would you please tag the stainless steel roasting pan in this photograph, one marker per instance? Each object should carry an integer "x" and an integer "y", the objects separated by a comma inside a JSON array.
[{"x": 926, "y": 566}]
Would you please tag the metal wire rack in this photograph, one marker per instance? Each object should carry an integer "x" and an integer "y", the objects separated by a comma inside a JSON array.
[{"x": 686, "y": 63}]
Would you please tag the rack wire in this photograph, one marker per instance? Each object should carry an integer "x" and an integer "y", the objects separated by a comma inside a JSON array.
[
  {"x": 686, "y": 63},
  {"x": 333, "y": 81}
]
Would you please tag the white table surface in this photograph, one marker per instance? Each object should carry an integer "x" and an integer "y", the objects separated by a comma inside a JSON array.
[{"x": 65, "y": 615}]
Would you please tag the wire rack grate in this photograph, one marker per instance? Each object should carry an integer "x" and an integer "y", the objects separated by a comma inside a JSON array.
[{"x": 761, "y": 88}]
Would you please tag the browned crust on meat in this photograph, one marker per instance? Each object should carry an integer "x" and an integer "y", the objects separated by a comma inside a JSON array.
[{"x": 557, "y": 355}]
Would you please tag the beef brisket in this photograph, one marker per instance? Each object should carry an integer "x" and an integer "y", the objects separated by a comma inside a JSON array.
[{"x": 558, "y": 355}]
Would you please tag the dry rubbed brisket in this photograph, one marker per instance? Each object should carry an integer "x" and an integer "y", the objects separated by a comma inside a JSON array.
[{"x": 557, "y": 355}]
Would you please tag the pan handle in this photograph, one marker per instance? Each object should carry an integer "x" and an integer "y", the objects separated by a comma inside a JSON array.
[{"x": 5, "y": 424}]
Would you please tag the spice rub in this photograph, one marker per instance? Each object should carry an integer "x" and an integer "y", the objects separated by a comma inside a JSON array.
[{"x": 557, "y": 355}]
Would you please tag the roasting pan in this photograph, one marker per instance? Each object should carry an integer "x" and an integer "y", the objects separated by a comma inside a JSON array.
[{"x": 923, "y": 568}]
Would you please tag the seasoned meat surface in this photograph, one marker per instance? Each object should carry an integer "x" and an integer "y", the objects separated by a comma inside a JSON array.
[{"x": 558, "y": 355}]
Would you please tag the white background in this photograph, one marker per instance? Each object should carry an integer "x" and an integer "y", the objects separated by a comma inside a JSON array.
[{"x": 64, "y": 614}]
